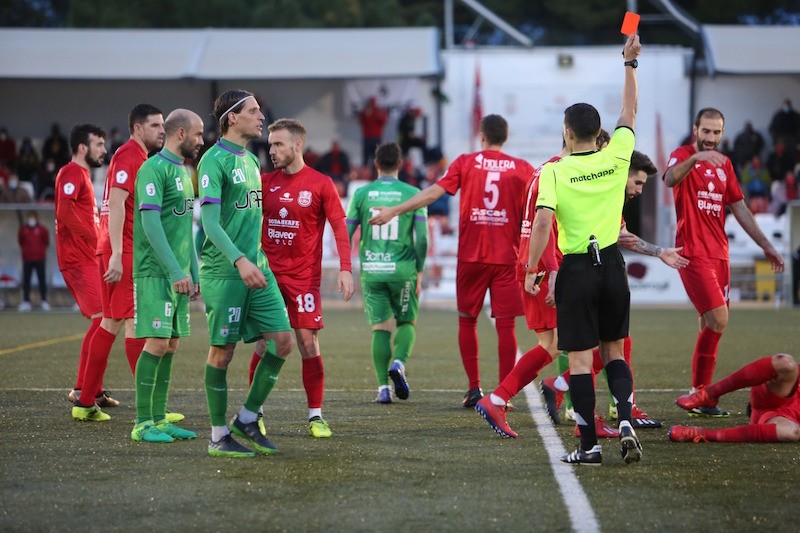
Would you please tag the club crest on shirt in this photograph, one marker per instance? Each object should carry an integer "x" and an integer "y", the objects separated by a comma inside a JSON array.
[
  {"x": 223, "y": 331},
  {"x": 721, "y": 175},
  {"x": 304, "y": 199},
  {"x": 122, "y": 176},
  {"x": 156, "y": 323}
]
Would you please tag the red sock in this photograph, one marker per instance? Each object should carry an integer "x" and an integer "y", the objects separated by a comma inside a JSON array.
[
  {"x": 705, "y": 357},
  {"x": 506, "y": 345},
  {"x": 627, "y": 347},
  {"x": 99, "y": 348},
  {"x": 84, "y": 356},
  {"x": 133, "y": 349},
  {"x": 748, "y": 433},
  {"x": 314, "y": 381},
  {"x": 254, "y": 360},
  {"x": 525, "y": 371},
  {"x": 597, "y": 362},
  {"x": 468, "y": 346},
  {"x": 755, "y": 373}
]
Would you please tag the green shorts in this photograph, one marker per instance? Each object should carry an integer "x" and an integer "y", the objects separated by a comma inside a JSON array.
[
  {"x": 382, "y": 299},
  {"x": 158, "y": 311},
  {"x": 235, "y": 312}
]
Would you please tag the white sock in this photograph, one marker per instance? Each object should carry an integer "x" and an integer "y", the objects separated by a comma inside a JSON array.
[
  {"x": 383, "y": 387},
  {"x": 496, "y": 400},
  {"x": 219, "y": 432},
  {"x": 399, "y": 362},
  {"x": 246, "y": 416},
  {"x": 561, "y": 384},
  {"x": 317, "y": 411}
]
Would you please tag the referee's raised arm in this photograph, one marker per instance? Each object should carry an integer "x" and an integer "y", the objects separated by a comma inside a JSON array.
[{"x": 630, "y": 91}]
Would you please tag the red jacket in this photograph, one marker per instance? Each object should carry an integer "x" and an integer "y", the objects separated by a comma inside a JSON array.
[{"x": 33, "y": 241}]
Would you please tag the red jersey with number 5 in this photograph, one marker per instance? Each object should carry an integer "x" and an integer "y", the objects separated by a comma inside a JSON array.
[{"x": 492, "y": 188}]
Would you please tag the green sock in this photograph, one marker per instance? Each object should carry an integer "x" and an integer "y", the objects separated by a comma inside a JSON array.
[
  {"x": 264, "y": 380},
  {"x": 161, "y": 391},
  {"x": 381, "y": 354},
  {"x": 404, "y": 341},
  {"x": 216, "y": 381},
  {"x": 145, "y": 380},
  {"x": 563, "y": 365}
]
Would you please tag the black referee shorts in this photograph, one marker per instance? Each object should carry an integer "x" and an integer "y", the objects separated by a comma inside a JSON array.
[{"x": 592, "y": 302}]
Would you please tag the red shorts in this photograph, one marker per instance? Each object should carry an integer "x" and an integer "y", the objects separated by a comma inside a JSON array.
[
  {"x": 538, "y": 315},
  {"x": 303, "y": 303},
  {"x": 472, "y": 281},
  {"x": 707, "y": 282},
  {"x": 84, "y": 285},
  {"x": 765, "y": 405},
  {"x": 117, "y": 297}
]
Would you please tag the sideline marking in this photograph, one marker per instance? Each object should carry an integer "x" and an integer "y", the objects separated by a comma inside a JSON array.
[
  {"x": 581, "y": 515},
  {"x": 40, "y": 344}
]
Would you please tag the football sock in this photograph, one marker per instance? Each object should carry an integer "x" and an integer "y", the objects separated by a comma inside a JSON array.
[
  {"x": 627, "y": 348},
  {"x": 133, "y": 347},
  {"x": 583, "y": 399},
  {"x": 161, "y": 390},
  {"x": 404, "y": 339},
  {"x": 219, "y": 432},
  {"x": 381, "y": 354},
  {"x": 752, "y": 374},
  {"x": 562, "y": 382},
  {"x": 83, "y": 358},
  {"x": 145, "y": 378},
  {"x": 506, "y": 345},
  {"x": 748, "y": 433},
  {"x": 246, "y": 416},
  {"x": 314, "y": 381},
  {"x": 264, "y": 379},
  {"x": 216, "y": 383},
  {"x": 563, "y": 366},
  {"x": 254, "y": 360},
  {"x": 97, "y": 361},
  {"x": 468, "y": 346},
  {"x": 621, "y": 384},
  {"x": 705, "y": 357},
  {"x": 525, "y": 371},
  {"x": 314, "y": 413}
]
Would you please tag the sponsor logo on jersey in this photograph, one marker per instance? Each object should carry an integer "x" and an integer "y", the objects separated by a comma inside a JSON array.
[
  {"x": 594, "y": 175},
  {"x": 385, "y": 195},
  {"x": 69, "y": 188},
  {"x": 709, "y": 174},
  {"x": 280, "y": 235},
  {"x": 122, "y": 176},
  {"x": 494, "y": 165},
  {"x": 710, "y": 201},
  {"x": 286, "y": 197},
  {"x": 188, "y": 205},
  {"x": 283, "y": 212},
  {"x": 488, "y": 217},
  {"x": 317, "y": 318},
  {"x": 304, "y": 199},
  {"x": 253, "y": 198},
  {"x": 276, "y": 188},
  {"x": 377, "y": 256},
  {"x": 283, "y": 223}
]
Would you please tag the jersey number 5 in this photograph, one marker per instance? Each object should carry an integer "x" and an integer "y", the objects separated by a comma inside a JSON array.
[{"x": 492, "y": 190}]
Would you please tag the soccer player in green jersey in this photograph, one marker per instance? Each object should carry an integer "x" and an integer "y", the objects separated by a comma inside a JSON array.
[
  {"x": 164, "y": 271},
  {"x": 392, "y": 258},
  {"x": 239, "y": 289}
]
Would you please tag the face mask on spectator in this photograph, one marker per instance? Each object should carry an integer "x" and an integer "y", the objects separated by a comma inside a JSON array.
[
  {"x": 13, "y": 183},
  {"x": 32, "y": 221}
]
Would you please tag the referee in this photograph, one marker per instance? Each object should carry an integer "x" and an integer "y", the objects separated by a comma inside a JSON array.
[{"x": 585, "y": 191}]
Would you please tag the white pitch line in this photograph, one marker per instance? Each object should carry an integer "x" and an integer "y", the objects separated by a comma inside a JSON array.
[{"x": 581, "y": 515}]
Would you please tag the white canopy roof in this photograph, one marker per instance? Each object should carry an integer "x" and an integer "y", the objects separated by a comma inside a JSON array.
[
  {"x": 218, "y": 54},
  {"x": 752, "y": 49}
]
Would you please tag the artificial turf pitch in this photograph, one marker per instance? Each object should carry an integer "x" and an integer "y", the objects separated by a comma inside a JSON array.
[{"x": 421, "y": 464}]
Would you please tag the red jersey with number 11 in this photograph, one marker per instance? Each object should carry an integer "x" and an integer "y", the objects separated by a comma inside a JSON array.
[{"x": 492, "y": 196}]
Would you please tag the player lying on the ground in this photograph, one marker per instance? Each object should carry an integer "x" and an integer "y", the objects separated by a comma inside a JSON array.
[{"x": 774, "y": 403}]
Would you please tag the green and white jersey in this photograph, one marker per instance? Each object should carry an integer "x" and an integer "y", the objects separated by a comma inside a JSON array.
[
  {"x": 163, "y": 184},
  {"x": 229, "y": 175},
  {"x": 386, "y": 252}
]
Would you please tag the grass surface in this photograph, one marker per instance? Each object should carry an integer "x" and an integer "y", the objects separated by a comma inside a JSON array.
[{"x": 416, "y": 465}]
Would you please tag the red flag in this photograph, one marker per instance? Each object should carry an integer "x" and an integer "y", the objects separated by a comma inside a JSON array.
[{"x": 477, "y": 107}]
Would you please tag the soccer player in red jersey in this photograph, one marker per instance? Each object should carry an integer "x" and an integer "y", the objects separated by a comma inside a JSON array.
[
  {"x": 774, "y": 404},
  {"x": 115, "y": 245},
  {"x": 704, "y": 183},
  {"x": 492, "y": 184},
  {"x": 76, "y": 241},
  {"x": 297, "y": 200}
]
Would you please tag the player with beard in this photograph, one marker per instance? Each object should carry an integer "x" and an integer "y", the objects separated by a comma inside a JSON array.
[
  {"x": 703, "y": 184},
  {"x": 76, "y": 241},
  {"x": 297, "y": 202}
]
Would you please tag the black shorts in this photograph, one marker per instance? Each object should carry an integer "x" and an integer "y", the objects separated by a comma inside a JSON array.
[{"x": 593, "y": 302}]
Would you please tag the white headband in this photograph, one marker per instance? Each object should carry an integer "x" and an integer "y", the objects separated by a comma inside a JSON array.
[{"x": 225, "y": 114}]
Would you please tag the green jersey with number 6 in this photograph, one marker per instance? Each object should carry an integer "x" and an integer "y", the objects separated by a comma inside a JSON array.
[
  {"x": 163, "y": 184},
  {"x": 386, "y": 252}
]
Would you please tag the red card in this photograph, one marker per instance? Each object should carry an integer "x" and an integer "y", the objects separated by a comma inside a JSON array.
[{"x": 630, "y": 23}]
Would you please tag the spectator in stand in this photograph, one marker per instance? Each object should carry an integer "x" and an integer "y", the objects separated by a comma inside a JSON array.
[
  {"x": 27, "y": 161},
  {"x": 55, "y": 147},
  {"x": 372, "y": 119},
  {"x": 785, "y": 125},
  {"x": 748, "y": 143},
  {"x": 115, "y": 141},
  {"x": 5, "y": 174},
  {"x": 780, "y": 161},
  {"x": 310, "y": 156},
  {"x": 334, "y": 163},
  {"x": 406, "y": 131},
  {"x": 12, "y": 193},
  {"x": 46, "y": 180},
  {"x": 755, "y": 178},
  {"x": 34, "y": 240},
  {"x": 8, "y": 148}
]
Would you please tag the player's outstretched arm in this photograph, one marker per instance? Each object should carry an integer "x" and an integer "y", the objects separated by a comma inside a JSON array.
[
  {"x": 670, "y": 256},
  {"x": 750, "y": 226},
  {"x": 423, "y": 198}
]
